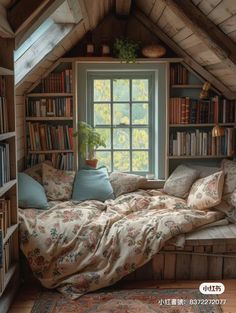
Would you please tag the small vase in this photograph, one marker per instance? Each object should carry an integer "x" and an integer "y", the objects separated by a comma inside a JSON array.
[{"x": 92, "y": 163}]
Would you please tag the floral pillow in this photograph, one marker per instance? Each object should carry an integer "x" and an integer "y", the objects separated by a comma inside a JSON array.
[
  {"x": 206, "y": 192},
  {"x": 229, "y": 168},
  {"x": 58, "y": 184},
  {"x": 124, "y": 183},
  {"x": 180, "y": 181},
  {"x": 36, "y": 171}
]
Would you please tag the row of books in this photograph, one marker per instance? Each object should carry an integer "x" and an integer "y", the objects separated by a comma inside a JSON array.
[
  {"x": 63, "y": 161},
  {"x": 4, "y": 163},
  {"x": 3, "y": 116},
  {"x": 57, "y": 82},
  {"x": 201, "y": 143},
  {"x": 178, "y": 74},
  {"x": 61, "y": 106},
  {"x": 6, "y": 259},
  {"x": 5, "y": 215},
  {"x": 184, "y": 110},
  {"x": 48, "y": 137},
  {"x": 2, "y": 86}
]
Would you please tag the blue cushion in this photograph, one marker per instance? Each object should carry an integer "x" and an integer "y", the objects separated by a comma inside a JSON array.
[
  {"x": 92, "y": 184},
  {"x": 30, "y": 193}
]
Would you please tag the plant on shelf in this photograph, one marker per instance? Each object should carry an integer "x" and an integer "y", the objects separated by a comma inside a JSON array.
[
  {"x": 89, "y": 141},
  {"x": 126, "y": 50}
]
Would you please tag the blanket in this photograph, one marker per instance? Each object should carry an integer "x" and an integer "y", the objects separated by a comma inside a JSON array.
[{"x": 80, "y": 247}]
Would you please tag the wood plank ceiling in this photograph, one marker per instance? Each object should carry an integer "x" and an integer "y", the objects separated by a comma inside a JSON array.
[
  {"x": 221, "y": 14},
  {"x": 201, "y": 48}
]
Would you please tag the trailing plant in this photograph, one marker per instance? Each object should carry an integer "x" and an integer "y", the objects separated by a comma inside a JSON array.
[
  {"x": 89, "y": 140},
  {"x": 126, "y": 50}
]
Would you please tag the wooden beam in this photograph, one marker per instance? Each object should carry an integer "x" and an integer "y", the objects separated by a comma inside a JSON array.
[
  {"x": 123, "y": 7},
  {"x": 215, "y": 39},
  {"x": 187, "y": 58},
  {"x": 75, "y": 10},
  {"x": 39, "y": 49},
  {"x": 5, "y": 28},
  {"x": 24, "y": 32},
  {"x": 20, "y": 14}
]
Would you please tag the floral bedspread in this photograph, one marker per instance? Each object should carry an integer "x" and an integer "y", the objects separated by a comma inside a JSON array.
[{"x": 81, "y": 247}]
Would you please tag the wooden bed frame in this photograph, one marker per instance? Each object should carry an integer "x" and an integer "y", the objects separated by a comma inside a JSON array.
[{"x": 208, "y": 254}]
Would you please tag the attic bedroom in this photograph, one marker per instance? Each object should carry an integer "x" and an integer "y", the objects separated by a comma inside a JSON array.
[{"x": 117, "y": 156}]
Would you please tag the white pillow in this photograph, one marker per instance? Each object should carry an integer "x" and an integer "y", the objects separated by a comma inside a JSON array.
[
  {"x": 206, "y": 192},
  {"x": 180, "y": 181}
]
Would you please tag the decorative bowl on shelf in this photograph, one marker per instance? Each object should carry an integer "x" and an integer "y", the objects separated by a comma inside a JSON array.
[{"x": 153, "y": 51}]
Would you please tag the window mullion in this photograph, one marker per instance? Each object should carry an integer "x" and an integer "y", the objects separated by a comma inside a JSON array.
[
  {"x": 112, "y": 158},
  {"x": 130, "y": 124}
]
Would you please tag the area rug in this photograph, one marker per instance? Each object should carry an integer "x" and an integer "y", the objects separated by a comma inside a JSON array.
[{"x": 129, "y": 301}]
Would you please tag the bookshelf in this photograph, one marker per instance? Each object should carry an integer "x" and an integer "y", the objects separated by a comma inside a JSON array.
[
  {"x": 190, "y": 122},
  {"x": 9, "y": 242},
  {"x": 50, "y": 118}
]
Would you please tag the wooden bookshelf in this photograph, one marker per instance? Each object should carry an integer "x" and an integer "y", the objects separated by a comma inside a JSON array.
[
  {"x": 49, "y": 151},
  {"x": 55, "y": 118},
  {"x": 187, "y": 85},
  {"x": 201, "y": 125},
  {"x": 39, "y": 108},
  {"x": 8, "y": 190},
  {"x": 49, "y": 95},
  {"x": 185, "y": 157}
]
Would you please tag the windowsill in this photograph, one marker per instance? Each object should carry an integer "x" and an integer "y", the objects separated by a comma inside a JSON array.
[{"x": 153, "y": 184}]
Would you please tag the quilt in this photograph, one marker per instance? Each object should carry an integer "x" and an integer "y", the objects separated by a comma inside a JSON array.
[{"x": 81, "y": 247}]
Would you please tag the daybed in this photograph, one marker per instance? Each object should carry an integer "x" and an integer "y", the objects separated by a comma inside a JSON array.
[{"x": 78, "y": 247}]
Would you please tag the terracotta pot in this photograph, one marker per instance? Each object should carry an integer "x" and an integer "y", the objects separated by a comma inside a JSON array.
[
  {"x": 92, "y": 163},
  {"x": 153, "y": 51}
]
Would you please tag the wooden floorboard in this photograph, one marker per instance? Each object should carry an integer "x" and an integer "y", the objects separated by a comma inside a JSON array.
[{"x": 25, "y": 298}]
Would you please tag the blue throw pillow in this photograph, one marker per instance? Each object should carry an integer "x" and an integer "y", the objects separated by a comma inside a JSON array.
[
  {"x": 92, "y": 184},
  {"x": 30, "y": 193}
]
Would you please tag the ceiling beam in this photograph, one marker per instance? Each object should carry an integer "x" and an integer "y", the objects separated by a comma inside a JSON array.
[
  {"x": 5, "y": 29},
  {"x": 181, "y": 53},
  {"x": 75, "y": 10},
  {"x": 215, "y": 39},
  {"x": 36, "y": 21},
  {"x": 123, "y": 7},
  {"x": 20, "y": 14}
]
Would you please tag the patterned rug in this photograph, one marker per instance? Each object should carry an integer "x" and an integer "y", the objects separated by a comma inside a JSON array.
[{"x": 129, "y": 301}]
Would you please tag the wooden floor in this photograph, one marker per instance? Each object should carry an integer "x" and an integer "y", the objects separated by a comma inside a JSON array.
[{"x": 27, "y": 294}]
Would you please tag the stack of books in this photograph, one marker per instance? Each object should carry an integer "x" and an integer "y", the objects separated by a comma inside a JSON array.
[
  {"x": 63, "y": 161},
  {"x": 48, "y": 137},
  {"x": 4, "y": 163},
  {"x": 184, "y": 110},
  {"x": 58, "y": 82},
  {"x": 178, "y": 74},
  {"x": 5, "y": 215},
  {"x": 61, "y": 106},
  {"x": 201, "y": 143},
  {"x": 5, "y": 260},
  {"x": 3, "y": 107}
]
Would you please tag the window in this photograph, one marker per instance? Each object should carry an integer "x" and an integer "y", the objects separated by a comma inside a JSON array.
[{"x": 121, "y": 109}]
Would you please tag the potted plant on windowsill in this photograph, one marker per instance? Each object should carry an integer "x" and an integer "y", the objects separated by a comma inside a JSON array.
[{"x": 89, "y": 141}]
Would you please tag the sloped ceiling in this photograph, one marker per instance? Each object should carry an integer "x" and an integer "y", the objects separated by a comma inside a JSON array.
[{"x": 201, "y": 52}]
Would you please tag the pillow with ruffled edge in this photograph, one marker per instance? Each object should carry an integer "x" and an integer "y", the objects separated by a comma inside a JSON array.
[
  {"x": 36, "y": 171},
  {"x": 58, "y": 184},
  {"x": 206, "y": 192}
]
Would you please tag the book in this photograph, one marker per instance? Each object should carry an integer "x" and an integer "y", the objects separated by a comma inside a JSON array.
[
  {"x": 184, "y": 110},
  {"x": 201, "y": 143}
]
